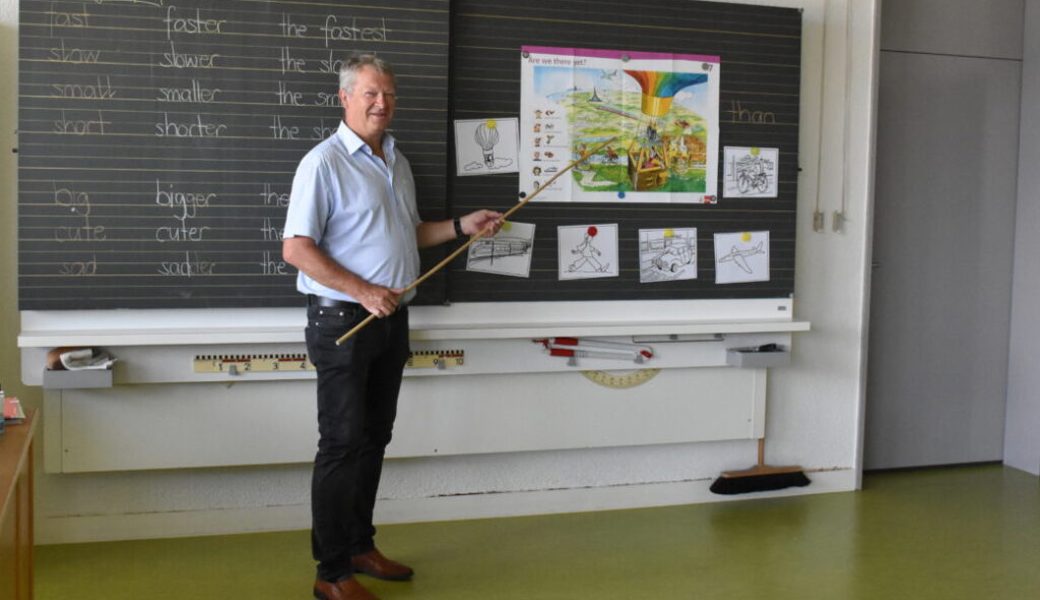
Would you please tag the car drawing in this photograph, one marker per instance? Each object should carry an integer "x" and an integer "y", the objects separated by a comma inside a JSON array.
[{"x": 674, "y": 258}]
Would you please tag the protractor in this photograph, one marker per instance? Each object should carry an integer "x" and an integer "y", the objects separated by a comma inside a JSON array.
[{"x": 621, "y": 380}]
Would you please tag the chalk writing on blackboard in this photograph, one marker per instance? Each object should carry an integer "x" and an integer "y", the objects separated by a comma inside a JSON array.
[
  {"x": 158, "y": 138},
  {"x": 78, "y": 203},
  {"x": 75, "y": 56},
  {"x": 82, "y": 125},
  {"x": 190, "y": 127},
  {"x": 72, "y": 20},
  {"x": 102, "y": 90},
  {"x": 739, "y": 114},
  {"x": 273, "y": 266},
  {"x": 271, "y": 232},
  {"x": 191, "y": 266},
  {"x": 189, "y": 24},
  {"x": 349, "y": 32},
  {"x": 187, "y": 60},
  {"x": 273, "y": 198},
  {"x": 194, "y": 93},
  {"x": 85, "y": 268}
]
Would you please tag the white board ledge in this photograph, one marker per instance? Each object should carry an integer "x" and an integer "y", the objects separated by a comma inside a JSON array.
[
  {"x": 605, "y": 329},
  {"x": 174, "y": 327}
]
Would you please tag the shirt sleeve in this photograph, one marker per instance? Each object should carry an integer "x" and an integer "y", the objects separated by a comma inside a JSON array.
[{"x": 309, "y": 200}]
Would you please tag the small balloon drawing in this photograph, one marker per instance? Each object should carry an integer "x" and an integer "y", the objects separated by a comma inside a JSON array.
[{"x": 486, "y": 136}]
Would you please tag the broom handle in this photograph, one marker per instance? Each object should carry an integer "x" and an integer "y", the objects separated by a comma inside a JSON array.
[{"x": 346, "y": 336}]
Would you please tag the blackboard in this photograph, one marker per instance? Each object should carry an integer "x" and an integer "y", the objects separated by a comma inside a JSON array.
[
  {"x": 157, "y": 139},
  {"x": 760, "y": 51}
]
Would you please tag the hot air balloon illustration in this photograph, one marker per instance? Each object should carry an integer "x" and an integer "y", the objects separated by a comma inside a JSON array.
[
  {"x": 486, "y": 135},
  {"x": 649, "y": 157}
]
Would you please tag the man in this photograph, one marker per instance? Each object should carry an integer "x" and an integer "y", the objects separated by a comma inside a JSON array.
[{"x": 353, "y": 231}]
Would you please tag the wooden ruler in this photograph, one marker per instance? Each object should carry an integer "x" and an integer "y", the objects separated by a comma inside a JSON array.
[
  {"x": 236, "y": 364},
  {"x": 436, "y": 359},
  {"x": 245, "y": 363}
]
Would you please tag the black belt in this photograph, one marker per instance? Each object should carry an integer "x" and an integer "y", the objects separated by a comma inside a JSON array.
[{"x": 313, "y": 300}]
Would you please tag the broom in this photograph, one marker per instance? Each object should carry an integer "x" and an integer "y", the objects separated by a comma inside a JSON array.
[{"x": 759, "y": 478}]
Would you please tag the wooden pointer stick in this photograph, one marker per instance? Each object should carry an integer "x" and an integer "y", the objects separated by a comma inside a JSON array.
[{"x": 346, "y": 336}]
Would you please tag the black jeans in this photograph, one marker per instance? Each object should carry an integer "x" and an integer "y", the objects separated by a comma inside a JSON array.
[{"x": 358, "y": 384}]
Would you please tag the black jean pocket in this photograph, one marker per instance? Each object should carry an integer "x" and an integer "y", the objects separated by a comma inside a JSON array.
[{"x": 335, "y": 320}]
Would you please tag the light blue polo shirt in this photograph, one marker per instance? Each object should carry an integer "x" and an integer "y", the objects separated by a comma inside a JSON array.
[{"x": 358, "y": 209}]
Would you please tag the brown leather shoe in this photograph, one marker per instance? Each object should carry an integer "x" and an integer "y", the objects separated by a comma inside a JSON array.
[
  {"x": 374, "y": 564},
  {"x": 345, "y": 589}
]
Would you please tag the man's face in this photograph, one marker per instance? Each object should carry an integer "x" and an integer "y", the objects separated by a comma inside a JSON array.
[{"x": 369, "y": 107}]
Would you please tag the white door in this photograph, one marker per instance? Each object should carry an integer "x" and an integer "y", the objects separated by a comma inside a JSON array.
[{"x": 945, "y": 190}]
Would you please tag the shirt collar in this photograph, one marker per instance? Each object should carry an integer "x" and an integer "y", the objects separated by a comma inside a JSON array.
[{"x": 353, "y": 142}]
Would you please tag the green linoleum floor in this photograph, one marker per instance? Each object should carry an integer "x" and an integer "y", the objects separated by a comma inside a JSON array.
[{"x": 960, "y": 532}]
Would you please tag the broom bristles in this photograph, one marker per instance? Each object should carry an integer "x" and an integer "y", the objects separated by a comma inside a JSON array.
[{"x": 762, "y": 478}]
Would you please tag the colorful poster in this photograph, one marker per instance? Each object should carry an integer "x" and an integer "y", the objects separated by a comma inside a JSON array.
[
  {"x": 667, "y": 254},
  {"x": 508, "y": 252},
  {"x": 649, "y": 123},
  {"x": 750, "y": 172},
  {"x": 588, "y": 251},
  {"x": 485, "y": 146},
  {"x": 741, "y": 257}
]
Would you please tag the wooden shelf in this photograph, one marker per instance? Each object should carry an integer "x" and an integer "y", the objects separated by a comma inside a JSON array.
[{"x": 16, "y": 510}]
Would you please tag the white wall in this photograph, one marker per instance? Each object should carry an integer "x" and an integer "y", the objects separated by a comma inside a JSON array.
[
  {"x": 815, "y": 406},
  {"x": 1021, "y": 437}
]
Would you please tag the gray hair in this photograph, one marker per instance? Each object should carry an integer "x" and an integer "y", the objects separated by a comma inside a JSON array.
[{"x": 354, "y": 63}]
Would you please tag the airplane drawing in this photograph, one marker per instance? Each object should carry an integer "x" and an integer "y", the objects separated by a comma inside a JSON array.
[
  {"x": 739, "y": 256},
  {"x": 499, "y": 247},
  {"x": 506, "y": 253}
]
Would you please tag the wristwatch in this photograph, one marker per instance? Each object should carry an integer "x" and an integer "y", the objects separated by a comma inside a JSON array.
[{"x": 457, "y": 222}]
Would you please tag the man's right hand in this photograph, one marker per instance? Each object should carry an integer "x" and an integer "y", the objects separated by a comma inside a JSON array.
[
  {"x": 379, "y": 300},
  {"x": 303, "y": 253}
]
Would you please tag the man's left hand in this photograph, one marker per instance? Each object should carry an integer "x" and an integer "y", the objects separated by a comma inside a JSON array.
[{"x": 485, "y": 222}]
